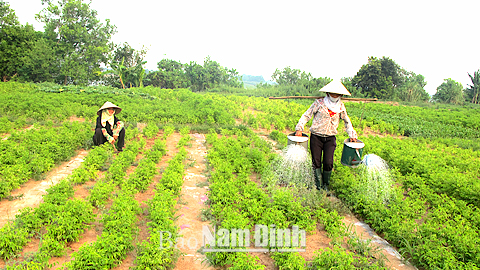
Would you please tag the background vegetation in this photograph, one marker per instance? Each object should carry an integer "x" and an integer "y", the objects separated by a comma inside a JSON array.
[
  {"x": 75, "y": 48},
  {"x": 72, "y": 67}
]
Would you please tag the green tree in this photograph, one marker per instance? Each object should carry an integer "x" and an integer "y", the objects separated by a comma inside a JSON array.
[
  {"x": 413, "y": 89},
  {"x": 40, "y": 63},
  {"x": 233, "y": 78},
  {"x": 118, "y": 70},
  {"x": 355, "y": 92},
  {"x": 197, "y": 76},
  {"x": 379, "y": 78},
  {"x": 218, "y": 75},
  {"x": 171, "y": 74},
  {"x": 7, "y": 15},
  {"x": 16, "y": 41},
  {"x": 215, "y": 74},
  {"x": 472, "y": 92},
  {"x": 210, "y": 75},
  {"x": 301, "y": 79},
  {"x": 131, "y": 56},
  {"x": 288, "y": 76},
  {"x": 449, "y": 91},
  {"x": 152, "y": 79},
  {"x": 126, "y": 67},
  {"x": 136, "y": 74},
  {"x": 83, "y": 42}
]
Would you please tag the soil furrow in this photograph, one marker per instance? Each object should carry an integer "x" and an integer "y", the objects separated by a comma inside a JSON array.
[
  {"x": 191, "y": 202},
  {"x": 30, "y": 194}
]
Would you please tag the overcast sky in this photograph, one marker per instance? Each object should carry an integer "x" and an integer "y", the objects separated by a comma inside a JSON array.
[{"x": 333, "y": 39}]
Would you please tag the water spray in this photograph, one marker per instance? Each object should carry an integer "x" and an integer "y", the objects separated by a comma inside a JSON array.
[
  {"x": 294, "y": 165},
  {"x": 376, "y": 182}
]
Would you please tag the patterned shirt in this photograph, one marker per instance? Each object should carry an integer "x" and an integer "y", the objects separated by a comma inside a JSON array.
[
  {"x": 325, "y": 122},
  {"x": 117, "y": 127}
]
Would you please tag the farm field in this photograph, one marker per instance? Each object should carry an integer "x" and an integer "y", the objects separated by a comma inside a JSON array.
[{"x": 205, "y": 160}]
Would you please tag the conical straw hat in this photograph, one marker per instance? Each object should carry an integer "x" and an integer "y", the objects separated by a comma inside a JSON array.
[
  {"x": 335, "y": 87},
  {"x": 107, "y": 105}
]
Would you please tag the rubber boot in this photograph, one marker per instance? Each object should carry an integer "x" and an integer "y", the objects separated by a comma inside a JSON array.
[
  {"x": 326, "y": 179},
  {"x": 318, "y": 178}
]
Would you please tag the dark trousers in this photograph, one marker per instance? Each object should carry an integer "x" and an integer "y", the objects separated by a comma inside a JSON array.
[
  {"x": 98, "y": 138},
  {"x": 322, "y": 146}
]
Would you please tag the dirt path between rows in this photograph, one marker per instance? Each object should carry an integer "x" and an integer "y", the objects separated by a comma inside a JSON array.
[
  {"x": 31, "y": 192},
  {"x": 143, "y": 197},
  {"x": 364, "y": 232},
  {"x": 191, "y": 202},
  {"x": 194, "y": 194},
  {"x": 360, "y": 229}
]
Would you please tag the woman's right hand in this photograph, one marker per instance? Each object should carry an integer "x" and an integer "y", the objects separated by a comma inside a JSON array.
[{"x": 298, "y": 133}]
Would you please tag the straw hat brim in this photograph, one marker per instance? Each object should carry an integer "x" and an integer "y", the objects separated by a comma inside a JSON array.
[
  {"x": 107, "y": 105},
  {"x": 335, "y": 87}
]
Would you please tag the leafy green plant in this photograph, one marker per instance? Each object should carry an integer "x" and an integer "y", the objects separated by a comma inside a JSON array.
[
  {"x": 116, "y": 239},
  {"x": 289, "y": 261},
  {"x": 156, "y": 253},
  {"x": 101, "y": 192},
  {"x": 150, "y": 130},
  {"x": 12, "y": 241},
  {"x": 167, "y": 131},
  {"x": 279, "y": 138},
  {"x": 31, "y": 153}
]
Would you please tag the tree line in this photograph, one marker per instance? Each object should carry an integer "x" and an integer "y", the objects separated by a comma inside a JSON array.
[
  {"x": 75, "y": 48},
  {"x": 383, "y": 78}
]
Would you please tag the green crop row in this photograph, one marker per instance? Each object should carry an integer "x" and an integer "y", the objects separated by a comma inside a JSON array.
[
  {"x": 235, "y": 201},
  {"x": 445, "y": 169},
  {"x": 428, "y": 217},
  {"x": 141, "y": 178},
  {"x": 159, "y": 252},
  {"x": 28, "y": 103},
  {"x": 116, "y": 239},
  {"x": 268, "y": 114},
  {"x": 31, "y": 153},
  {"x": 119, "y": 223},
  {"x": 57, "y": 221},
  {"x": 417, "y": 121},
  {"x": 185, "y": 131},
  {"x": 461, "y": 117},
  {"x": 233, "y": 198},
  {"x": 116, "y": 172}
]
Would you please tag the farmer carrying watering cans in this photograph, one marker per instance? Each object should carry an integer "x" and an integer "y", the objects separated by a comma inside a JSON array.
[
  {"x": 326, "y": 114},
  {"x": 108, "y": 127}
]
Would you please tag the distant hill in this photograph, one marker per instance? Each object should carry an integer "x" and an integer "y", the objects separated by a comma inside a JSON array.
[{"x": 251, "y": 81}]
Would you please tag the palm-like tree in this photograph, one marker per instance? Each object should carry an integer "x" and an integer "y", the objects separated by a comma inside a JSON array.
[
  {"x": 118, "y": 69},
  {"x": 136, "y": 74},
  {"x": 474, "y": 89}
]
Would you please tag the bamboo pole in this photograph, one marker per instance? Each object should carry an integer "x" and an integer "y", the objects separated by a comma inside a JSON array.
[{"x": 312, "y": 97}]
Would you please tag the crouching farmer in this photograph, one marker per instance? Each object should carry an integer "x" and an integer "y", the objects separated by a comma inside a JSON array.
[{"x": 108, "y": 127}]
